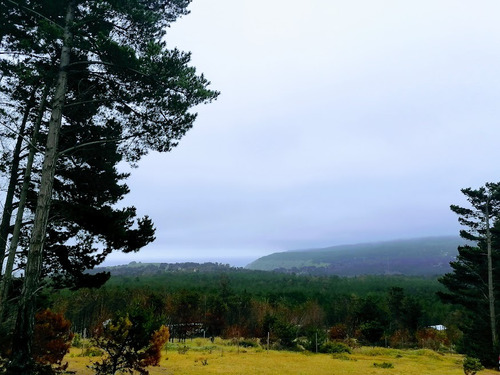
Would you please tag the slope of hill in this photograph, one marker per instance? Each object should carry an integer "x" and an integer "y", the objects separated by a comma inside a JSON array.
[{"x": 420, "y": 256}]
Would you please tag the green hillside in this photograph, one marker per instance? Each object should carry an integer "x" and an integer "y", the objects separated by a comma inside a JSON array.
[{"x": 421, "y": 256}]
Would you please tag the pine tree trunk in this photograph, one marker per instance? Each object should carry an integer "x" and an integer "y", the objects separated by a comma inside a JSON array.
[
  {"x": 22, "y": 361},
  {"x": 6, "y": 281},
  {"x": 491, "y": 289},
  {"x": 9, "y": 197}
]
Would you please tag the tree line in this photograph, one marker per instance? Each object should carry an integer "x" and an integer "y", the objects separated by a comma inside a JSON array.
[{"x": 369, "y": 310}]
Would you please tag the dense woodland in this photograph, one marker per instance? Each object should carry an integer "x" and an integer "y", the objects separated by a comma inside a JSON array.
[{"x": 372, "y": 310}]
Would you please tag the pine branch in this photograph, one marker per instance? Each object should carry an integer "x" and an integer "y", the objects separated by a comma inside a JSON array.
[
  {"x": 36, "y": 14},
  {"x": 17, "y": 53},
  {"x": 82, "y": 145},
  {"x": 105, "y": 63},
  {"x": 89, "y": 102},
  {"x": 23, "y": 137}
]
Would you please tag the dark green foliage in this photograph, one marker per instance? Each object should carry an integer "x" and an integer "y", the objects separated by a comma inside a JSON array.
[
  {"x": 248, "y": 343},
  {"x": 104, "y": 65},
  {"x": 315, "y": 338},
  {"x": 472, "y": 365},
  {"x": 372, "y": 320},
  {"x": 126, "y": 94},
  {"x": 77, "y": 341},
  {"x": 476, "y": 341},
  {"x": 383, "y": 365},
  {"x": 273, "y": 285},
  {"x": 412, "y": 314},
  {"x": 334, "y": 347},
  {"x": 395, "y": 300},
  {"x": 86, "y": 227},
  {"x": 249, "y": 304},
  {"x": 130, "y": 345},
  {"x": 469, "y": 284},
  {"x": 372, "y": 332},
  {"x": 282, "y": 333}
]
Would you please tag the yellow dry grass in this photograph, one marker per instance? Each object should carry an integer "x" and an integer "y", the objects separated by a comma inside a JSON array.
[{"x": 221, "y": 359}]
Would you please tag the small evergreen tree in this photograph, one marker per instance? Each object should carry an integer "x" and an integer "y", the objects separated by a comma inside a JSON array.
[
  {"x": 128, "y": 347},
  {"x": 472, "y": 366}
]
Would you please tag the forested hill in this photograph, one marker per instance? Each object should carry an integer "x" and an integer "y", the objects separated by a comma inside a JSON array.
[
  {"x": 421, "y": 256},
  {"x": 143, "y": 269}
]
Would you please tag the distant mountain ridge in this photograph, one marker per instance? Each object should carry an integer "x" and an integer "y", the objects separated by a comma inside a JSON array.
[{"x": 427, "y": 256}]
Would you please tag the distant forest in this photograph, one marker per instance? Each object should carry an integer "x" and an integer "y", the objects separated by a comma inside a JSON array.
[{"x": 217, "y": 300}]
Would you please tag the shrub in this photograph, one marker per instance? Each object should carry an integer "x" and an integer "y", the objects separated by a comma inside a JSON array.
[
  {"x": 91, "y": 352},
  {"x": 372, "y": 332},
  {"x": 51, "y": 341},
  {"x": 282, "y": 333},
  {"x": 77, "y": 341},
  {"x": 343, "y": 357},
  {"x": 286, "y": 334},
  {"x": 383, "y": 365},
  {"x": 334, "y": 347},
  {"x": 351, "y": 343},
  {"x": 338, "y": 332},
  {"x": 152, "y": 354},
  {"x": 401, "y": 339},
  {"x": 471, "y": 365},
  {"x": 432, "y": 338},
  {"x": 182, "y": 349},
  {"x": 128, "y": 347},
  {"x": 249, "y": 343},
  {"x": 378, "y": 351},
  {"x": 313, "y": 337}
]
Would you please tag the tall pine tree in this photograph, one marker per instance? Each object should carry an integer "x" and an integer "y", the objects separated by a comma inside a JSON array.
[
  {"x": 131, "y": 81},
  {"x": 473, "y": 282}
]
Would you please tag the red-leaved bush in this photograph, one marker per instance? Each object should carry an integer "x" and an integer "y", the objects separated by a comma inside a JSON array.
[
  {"x": 152, "y": 355},
  {"x": 51, "y": 340}
]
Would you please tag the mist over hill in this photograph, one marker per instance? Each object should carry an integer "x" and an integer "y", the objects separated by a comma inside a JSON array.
[
  {"x": 420, "y": 256},
  {"x": 429, "y": 256}
]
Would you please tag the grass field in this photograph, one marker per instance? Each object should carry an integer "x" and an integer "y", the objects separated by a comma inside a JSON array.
[{"x": 203, "y": 357}]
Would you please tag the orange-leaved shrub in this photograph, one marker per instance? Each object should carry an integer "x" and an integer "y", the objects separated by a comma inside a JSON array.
[
  {"x": 51, "y": 340},
  {"x": 152, "y": 355},
  {"x": 402, "y": 338},
  {"x": 338, "y": 332},
  {"x": 432, "y": 338}
]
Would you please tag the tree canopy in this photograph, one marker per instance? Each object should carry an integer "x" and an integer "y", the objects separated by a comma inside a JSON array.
[
  {"x": 473, "y": 282},
  {"x": 106, "y": 87}
]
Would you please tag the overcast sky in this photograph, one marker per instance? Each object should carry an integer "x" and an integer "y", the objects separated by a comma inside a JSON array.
[{"x": 338, "y": 122}]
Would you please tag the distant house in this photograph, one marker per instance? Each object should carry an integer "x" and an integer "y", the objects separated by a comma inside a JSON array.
[{"x": 439, "y": 327}]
